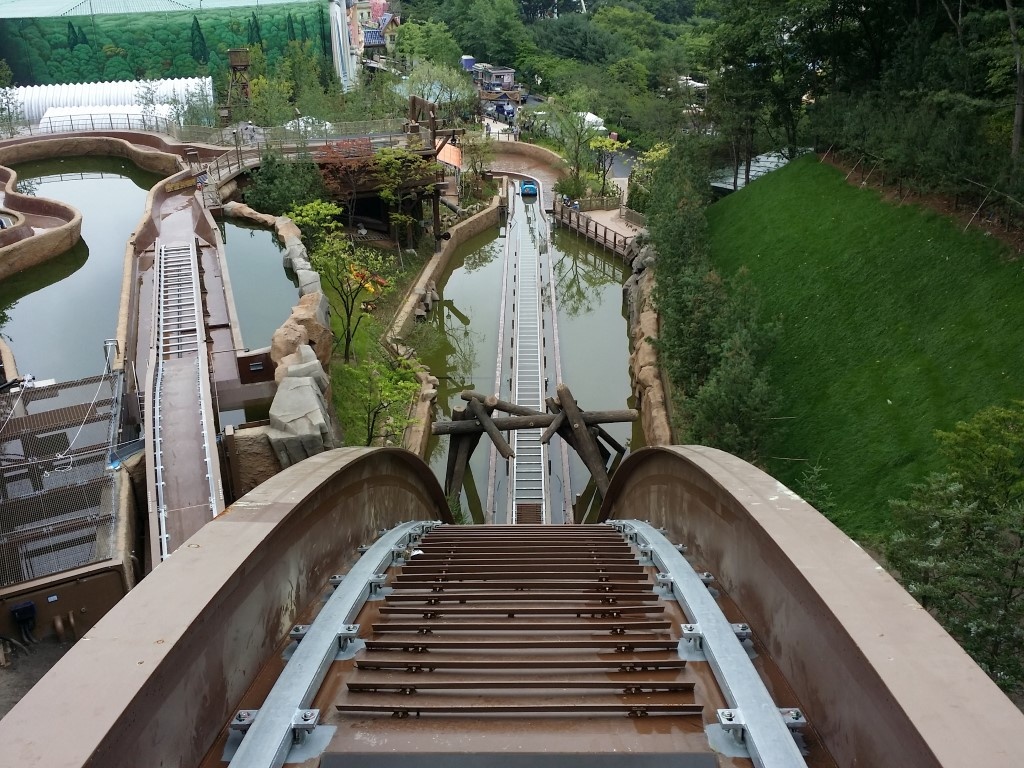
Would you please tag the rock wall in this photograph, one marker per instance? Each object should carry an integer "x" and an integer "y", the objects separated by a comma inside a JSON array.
[
  {"x": 301, "y": 419},
  {"x": 534, "y": 152},
  {"x": 644, "y": 324}
]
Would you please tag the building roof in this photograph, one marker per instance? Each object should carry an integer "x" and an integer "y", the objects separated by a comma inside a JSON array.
[
  {"x": 373, "y": 38},
  {"x": 484, "y": 67}
]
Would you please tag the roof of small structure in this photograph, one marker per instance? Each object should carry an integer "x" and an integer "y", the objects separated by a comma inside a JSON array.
[
  {"x": 373, "y": 38},
  {"x": 36, "y": 99}
]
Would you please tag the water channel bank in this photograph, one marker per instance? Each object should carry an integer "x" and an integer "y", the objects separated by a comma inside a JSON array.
[{"x": 59, "y": 312}]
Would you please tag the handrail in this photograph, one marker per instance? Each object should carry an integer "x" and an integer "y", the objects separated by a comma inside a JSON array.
[{"x": 205, "y": 134}]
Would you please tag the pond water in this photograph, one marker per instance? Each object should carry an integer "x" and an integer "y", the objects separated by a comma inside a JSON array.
[
  {"x": 59, "y": 313},
  {"x": 264, "y": 292},
  {"x": 459, "y": 342}
]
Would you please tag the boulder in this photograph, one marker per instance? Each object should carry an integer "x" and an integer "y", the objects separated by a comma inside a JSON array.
[
  {"x": 287, "y": 339},
  {"x": 300, "y": 423},
  {"x": 311, "y": 313},
  {"x": 243, "y": 211},
  {"x": 643, "y": 356},
  {"x": 649, "y": 324},
  {"x": 311, "y": 370},
  {"x": 287, "y": 230},
  {"x": 293, "y": 252},
  {"x": 309, "y": 281},
  {"x": 254, "y": 457}
]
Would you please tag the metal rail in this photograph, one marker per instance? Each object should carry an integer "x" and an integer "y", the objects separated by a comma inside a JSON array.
[
  {"x": 178, "y": 333},
  {"x": 269, "y": 737},
  {"x": 528, "y": 476},
  {"x": 765, "y": 733}
]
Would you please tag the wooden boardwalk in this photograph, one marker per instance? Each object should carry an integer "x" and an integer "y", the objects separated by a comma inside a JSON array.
[{"x": 594, "y": 231}]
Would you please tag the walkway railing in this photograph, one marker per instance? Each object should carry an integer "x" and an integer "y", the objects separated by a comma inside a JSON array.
[
  {"x": 593, "y": 231},
  {"x": 392, "y": 128},
  {"x": 635, "y": 218}
]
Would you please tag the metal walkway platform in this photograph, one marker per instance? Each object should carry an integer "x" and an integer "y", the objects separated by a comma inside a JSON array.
[{"x": 178, "y": 404}]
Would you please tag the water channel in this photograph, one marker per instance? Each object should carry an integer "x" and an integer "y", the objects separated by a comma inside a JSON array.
[
  {"x": 460, "y": 342},
  {"x": 59, "y": 313}
]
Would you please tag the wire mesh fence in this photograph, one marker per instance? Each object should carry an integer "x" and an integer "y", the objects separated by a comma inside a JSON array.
[{"x": 58, "y": 495}]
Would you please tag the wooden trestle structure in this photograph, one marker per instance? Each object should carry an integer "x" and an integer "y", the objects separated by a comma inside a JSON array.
[{"x": 581, "y": 430}]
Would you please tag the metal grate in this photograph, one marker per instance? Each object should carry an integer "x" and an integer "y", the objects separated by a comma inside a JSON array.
[{"x": 58, "y": 502}]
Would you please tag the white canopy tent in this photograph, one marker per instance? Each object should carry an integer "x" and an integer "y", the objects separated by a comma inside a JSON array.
[{"x": 37, "y": 99}]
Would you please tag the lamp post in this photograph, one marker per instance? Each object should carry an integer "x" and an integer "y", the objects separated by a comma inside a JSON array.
[{"x": 238, "y": 147}]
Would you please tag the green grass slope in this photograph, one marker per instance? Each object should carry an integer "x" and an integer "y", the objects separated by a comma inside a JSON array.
[{"x": 894, "y": 324}]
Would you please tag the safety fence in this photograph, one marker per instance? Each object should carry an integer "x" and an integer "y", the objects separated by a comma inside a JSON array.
[{"x": 59, "y": 506}]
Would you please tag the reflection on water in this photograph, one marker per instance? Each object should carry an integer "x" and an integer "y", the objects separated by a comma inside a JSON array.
[
  {"x": 582, "y": 274},
  {"x": 60, "y": 312},
  {"x": 264, "y": 292},
  {"x": 594, "y": 333},
  {"x": 461, "y": 343}
]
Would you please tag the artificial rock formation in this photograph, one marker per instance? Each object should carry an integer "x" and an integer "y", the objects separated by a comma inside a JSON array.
[
  {"x": 643, "y": 360},
  {"x": 300, "y": 422}
]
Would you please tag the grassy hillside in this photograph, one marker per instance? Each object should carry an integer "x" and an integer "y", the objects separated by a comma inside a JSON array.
[{"x": 895, "y": 324}]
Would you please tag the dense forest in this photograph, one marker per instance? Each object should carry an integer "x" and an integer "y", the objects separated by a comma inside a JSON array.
[
  {"x": 932, "y": 92},
  {"x": 77, "y": 49}
]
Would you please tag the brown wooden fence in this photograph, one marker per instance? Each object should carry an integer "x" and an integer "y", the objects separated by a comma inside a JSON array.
[{"x": 593, "y": 231}]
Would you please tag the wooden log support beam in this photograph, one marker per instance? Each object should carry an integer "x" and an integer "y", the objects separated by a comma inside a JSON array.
[
  {"x": 589, "y": 418},
  {"x": 553, "y": 427},
  {"x": 458, "y": 414},
  {"x": 479, "y": 410},
  {"x": 499, "y": 404},
  {"x": 586, "y": 444},
  {"x": 615, "y": 444}
]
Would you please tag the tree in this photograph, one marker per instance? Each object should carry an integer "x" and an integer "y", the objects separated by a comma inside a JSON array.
[
  {"x": 351, "y": 273},
  {"x": 426, "y": 41},
  {"x": 605, "y": 150},
  {"x": 281, "y": 183},
  {"x": 317, "y": 220},
  {"x": 642, "y": 174},
  {"x": 385, "y": 390},
  {"x": 477, "y": 154},
  {"x": 270, "y": 101},
  {"x": 11, "y": 111},
  {"x": 400, "y": 175},
  {"x": 958, "y": 544},
  {"x": 199, "y": 50},
  {"x": 571, "y": 128},
  {"x": 345, "y": 173},
  {"x": 450, "y": 88},
  {"x": 255, "y": 36},
  {"x": 493, "y": 30}
]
